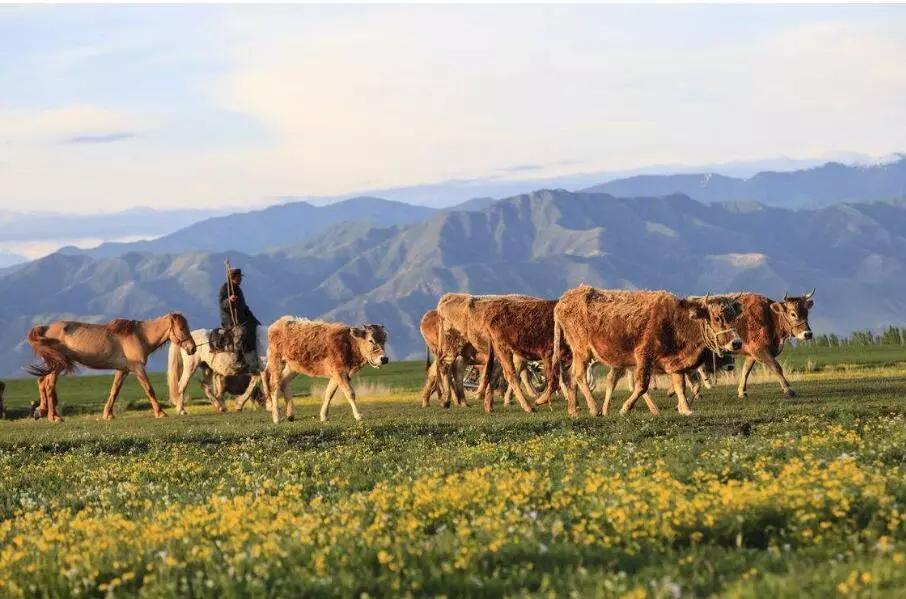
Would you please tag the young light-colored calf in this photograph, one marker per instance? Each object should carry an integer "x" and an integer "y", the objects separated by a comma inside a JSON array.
[{"x": 330, "y": 350}]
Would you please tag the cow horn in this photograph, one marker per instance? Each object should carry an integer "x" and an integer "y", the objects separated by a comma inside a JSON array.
[
  {"x": 810, "y": 295},
  {"x": 786, "y": 295}
]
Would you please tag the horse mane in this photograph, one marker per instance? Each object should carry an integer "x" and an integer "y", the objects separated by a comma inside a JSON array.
[{"x": 122, "y": 326}]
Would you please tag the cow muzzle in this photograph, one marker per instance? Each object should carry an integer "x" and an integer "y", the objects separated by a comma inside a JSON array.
[
  {"x": 384, "y": 360},
  {"x": 734, "y": 345},
  {"x": 804, "y": 336}
]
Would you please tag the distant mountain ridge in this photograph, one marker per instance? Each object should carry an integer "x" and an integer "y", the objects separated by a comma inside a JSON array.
[
  {"x": 808, "y": 188},
  {"x": 269, "y": 228},
  {"x": 540, "y": 243}
]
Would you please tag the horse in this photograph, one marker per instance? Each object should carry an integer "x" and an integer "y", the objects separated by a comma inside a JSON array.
[
  {"x": 219, "y": 355},
  {"x": 120, "y": 345}
]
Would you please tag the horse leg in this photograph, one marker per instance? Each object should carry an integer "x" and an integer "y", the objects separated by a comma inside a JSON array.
[
  {"x": 184, "y": 379},
  {"x": 212, "y": 386},
  {"x": 142, "y": 377},
  {"x": 118, "y": 378},
  {"x": 332, "y": 385},
  {"x": 51, "y": 393},
  {"x": 253, "y": 384},
  {"x": 40, "y": 407}
]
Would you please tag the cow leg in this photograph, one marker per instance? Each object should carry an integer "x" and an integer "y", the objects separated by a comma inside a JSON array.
[
  {"x": 696, "y": 381},
  {"x": 349, "y": 392},
  {"x": 329, "y": 392},
  {"x": 610, "y": 384},
  {"x": 577, "y": 371},
  {"x": 521, "y": 367},
  {"x": 118, "y": 377},
  {"x": 772, "y": 363},
  {"x": 582, "y": 381},
  {"x": 679, "y": 384},
  {"x": 744, "y": 377},
  {"x": 274, "y": 375},
  {"x": 142, "y": 376},
  {"x": 429, "y": 386},
  {"x": 512, "y": 379},
  {"x": 642, "y": 381},
  {"x": 457, "y": 375},
  {"x": 285, "y": 380}
]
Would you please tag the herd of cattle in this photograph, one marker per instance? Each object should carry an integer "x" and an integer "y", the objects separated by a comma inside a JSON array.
[{"x": 643, "y": 333}]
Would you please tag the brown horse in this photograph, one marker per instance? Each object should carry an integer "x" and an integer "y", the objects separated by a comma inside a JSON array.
[{"x": 121, "y": 345}]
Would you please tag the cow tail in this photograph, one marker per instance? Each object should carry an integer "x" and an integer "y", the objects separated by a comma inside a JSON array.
[
  {"x": 556, "y": 364},
  {"x": 174, "y": 371},
  {"x": 49, "y": 352},
  {"x": 427, "y": 358},
  {"x": 485, "y": 379}
]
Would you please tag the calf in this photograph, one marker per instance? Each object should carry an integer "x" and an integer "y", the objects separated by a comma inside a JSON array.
[
  {"x": 320, "y": 349},
  {"x": 764, "y": 326},
  {"x": 651, "y": 331}
]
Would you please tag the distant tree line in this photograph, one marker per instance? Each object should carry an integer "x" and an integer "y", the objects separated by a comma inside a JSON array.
[{"x": 890, "y": 336}]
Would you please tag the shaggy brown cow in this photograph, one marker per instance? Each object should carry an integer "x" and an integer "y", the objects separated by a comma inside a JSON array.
[
  {"x": 331, "y": 350},
  {"x": 460, "y": 355},
  {"x": 652, "y": 331},
  {"x": 462, "y": 312},
  {"x": 764, "y": 326},
  {"x": 519, "y": 327}
]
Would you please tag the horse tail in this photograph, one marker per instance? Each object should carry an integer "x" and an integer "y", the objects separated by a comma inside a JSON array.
[
  {"x": 50, "y": 352},
  {"x": 174, "y": 372}
]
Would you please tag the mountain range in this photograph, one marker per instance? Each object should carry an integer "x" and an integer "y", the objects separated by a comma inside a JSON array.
[
  {"x": 539, "y": 243},
  {"x": 805, "y": 188}
]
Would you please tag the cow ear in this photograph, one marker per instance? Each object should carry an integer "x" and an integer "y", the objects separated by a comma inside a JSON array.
[
  {"x": 809, "y": 304},
  {"x": 357, "y": 332},
  {"x": 777, "y": 307}
]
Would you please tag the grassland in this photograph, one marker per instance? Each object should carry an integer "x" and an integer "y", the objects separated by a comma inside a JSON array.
[{"x": 758, "y": 497}]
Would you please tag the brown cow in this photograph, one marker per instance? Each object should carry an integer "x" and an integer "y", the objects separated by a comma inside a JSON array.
[
  {"x": 764, "y": 326},
  {"x": 331, "y": 350},
  {"x": 461, "y": 354},
  {"x": 651, "y": 331},
  {"x": 519, "y": 328},
  {"x": 462, "y": 312},
  {"x": 459, "y": 351}
]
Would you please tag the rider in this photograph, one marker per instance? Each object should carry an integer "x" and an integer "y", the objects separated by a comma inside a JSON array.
[{"x": 234, "y": 303}]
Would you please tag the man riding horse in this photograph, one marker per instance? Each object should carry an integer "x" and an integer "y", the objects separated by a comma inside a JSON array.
[{"x": 234, "y": 311}]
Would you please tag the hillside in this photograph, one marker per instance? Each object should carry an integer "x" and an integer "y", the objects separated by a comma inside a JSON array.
[
  {"x": 806, "y": 188},
  {"x": 540, "y": 243}
]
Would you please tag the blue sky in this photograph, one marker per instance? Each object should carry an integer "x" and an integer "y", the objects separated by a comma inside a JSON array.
[{"x": 104, "y": 108}]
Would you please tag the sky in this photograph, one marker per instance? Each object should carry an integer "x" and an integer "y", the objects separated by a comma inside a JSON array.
[{"x": 104, "y": 108}]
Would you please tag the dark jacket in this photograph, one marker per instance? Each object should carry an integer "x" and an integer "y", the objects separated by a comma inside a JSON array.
[{"x": 243, "y": 312}]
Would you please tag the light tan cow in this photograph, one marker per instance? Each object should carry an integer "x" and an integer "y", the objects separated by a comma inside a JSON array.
[{"x": 331, "y": 350}]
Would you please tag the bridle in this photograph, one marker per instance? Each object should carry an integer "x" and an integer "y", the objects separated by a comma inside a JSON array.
[
  {"x": 178, "y": 341},
  {"x": 712, "y": 339}
]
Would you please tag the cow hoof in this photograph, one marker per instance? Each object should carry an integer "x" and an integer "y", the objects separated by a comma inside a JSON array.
[
  {"x": 291, "y": 418},
  {"x": 685, "y": 413},
  {"x": 160, "y": 414},
  {"x": 323, "y": 419},
  {"x": 358, "y": 418},
  {"x": 743, "y": 395},
  {"x": 789, "y": 394},
  {"x": 107, "y": 417},
  {"x": 183, "y": 412}
]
